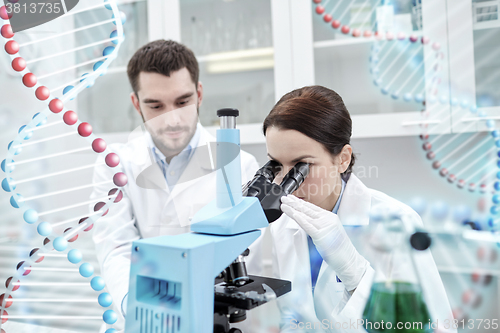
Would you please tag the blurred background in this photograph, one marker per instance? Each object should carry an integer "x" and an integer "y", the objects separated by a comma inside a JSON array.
[{"x": 251, "y": 52}]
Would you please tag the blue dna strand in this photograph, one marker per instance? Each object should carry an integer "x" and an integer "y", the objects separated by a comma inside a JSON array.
[
  {"x": 467, "y": 159},
  {"x": 73, "y": 58},
  {"x": 464, "y": 159},
  {"x": 408, "y": 67},
  {"x": 397, "y": 56},
  {"x": 397, "y": 65}
]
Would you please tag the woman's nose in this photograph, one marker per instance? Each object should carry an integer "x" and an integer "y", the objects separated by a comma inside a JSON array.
[{"x": 281, "y": 174}]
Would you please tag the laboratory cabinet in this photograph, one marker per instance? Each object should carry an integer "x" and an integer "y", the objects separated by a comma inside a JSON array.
[{"x": 253, "y": 52}]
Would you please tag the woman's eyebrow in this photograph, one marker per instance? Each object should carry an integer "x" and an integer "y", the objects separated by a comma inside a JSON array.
[
  {"x": 301, "y": 158},
  {"x": 294, "y": 160}
]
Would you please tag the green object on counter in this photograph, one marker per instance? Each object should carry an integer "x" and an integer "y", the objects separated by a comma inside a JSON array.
[{"x": 393, "y": 304}]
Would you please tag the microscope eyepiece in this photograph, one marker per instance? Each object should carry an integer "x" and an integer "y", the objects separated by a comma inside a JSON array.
[
  {"x": 262, "y": 180},
  {"x": 269, "y": 170},
  {"x": 294, "y": 178},
  {"x": 269, "y": 193}
]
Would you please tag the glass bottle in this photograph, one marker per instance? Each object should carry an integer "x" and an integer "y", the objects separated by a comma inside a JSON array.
[{"x": 396, "y": 302}]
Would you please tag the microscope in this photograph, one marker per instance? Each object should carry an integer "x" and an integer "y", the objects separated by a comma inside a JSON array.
[{"x": 198, "y": 282}]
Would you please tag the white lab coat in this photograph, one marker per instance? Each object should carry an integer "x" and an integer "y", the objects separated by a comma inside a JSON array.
[
  {"x": 154, "y": 210},
  {"x": 331, "y": 302}
]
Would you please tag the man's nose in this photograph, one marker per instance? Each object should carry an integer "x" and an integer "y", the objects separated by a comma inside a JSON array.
[{"x": 173, "y": 116}]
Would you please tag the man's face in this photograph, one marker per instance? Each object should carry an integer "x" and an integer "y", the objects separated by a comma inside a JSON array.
[{"x": 169, "y": 107}]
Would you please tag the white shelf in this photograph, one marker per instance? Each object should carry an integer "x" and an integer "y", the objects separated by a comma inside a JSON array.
[
  {"x": 352, "y": 41},
  {"x": 491, "y": 8},
  {"x": 468, "y": 270},
  {"x": 487, "y": 25},
  {"x": 364, "y": 126},
  {"x": 342, "y": 42},
  {"x": 249, "y": 133},
  {"x": 237, "y": 55}
]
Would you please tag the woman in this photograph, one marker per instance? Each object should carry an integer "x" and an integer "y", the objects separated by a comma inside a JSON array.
[{"x": 312, "y": 125}]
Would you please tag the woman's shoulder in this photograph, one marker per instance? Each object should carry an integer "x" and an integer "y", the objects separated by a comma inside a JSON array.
[
  {"x": 358, "y": 188},
  {"x": 385, "y": 201}
]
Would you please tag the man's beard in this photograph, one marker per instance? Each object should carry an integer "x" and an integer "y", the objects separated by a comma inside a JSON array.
[{"x": 170, "y": 146}]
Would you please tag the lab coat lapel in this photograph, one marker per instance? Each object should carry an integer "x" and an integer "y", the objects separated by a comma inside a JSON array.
[
  {"x": 195, "y": 187},
  {"x": 355, "y": 205},
  {"x": 292, "y": 248},
  {"x": 286, "y": 229},
  {"x": 353, "y": 211},
  {"x": 199, "y": 165},
  {"x": 146, "y": 172},
  {"x": 356, "y": 202}
]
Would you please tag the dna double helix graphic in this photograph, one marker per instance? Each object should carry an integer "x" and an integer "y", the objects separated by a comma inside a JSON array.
[
  {"x": 403, "y": 69},
  {"x": 446, "y": 154},
  {"x": 397, "y": 58},
  {"x": 50, "y": 129},
  {"x": 409, "y": 85},
  {"x": 408, "y": 67}
]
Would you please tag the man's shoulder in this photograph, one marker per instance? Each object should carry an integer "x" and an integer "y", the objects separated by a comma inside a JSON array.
[{"x": 124, "y": 150}]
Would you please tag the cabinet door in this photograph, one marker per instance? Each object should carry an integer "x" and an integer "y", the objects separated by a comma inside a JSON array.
[
  {"x": 107, "y": 105},
  {"x": 383, "y": 81},
  {"x": 475, "y": 58},
  {"x": 233, "y": 42}
]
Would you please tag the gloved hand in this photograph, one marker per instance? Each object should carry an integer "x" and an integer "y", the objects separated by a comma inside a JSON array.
[{"x": 330, "y": 238}]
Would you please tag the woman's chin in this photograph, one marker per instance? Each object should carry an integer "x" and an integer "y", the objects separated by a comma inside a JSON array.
[
  {"x": 305, "y": 199},
  {"x": 301, "y": 197}
]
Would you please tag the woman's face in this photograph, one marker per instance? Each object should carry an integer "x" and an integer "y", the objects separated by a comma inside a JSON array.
[{"x": 323, "y": 184}]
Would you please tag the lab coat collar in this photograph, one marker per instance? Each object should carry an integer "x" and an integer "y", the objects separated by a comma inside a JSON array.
[
  {"x": 190, "y": 148},
  {"x": 147, "y": 172},
  {"x": 354, "y": 208},
  {"x": 201, "y": 163},
  {"x": 200, "y": 154}
]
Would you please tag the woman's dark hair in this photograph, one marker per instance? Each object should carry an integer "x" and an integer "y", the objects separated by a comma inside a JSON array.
[
  {"x": 162, "y": 57},
  {"x": 318, "y": 113}
]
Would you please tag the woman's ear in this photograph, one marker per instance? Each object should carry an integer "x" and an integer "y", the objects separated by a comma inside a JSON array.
[{"x": 345, "y": 158}]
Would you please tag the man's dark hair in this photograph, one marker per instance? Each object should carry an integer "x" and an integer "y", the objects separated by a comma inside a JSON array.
[{"x": 162, "y": 57}]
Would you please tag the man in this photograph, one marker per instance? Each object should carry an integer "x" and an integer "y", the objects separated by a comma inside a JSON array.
[{"x": 170, "y": 176}]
